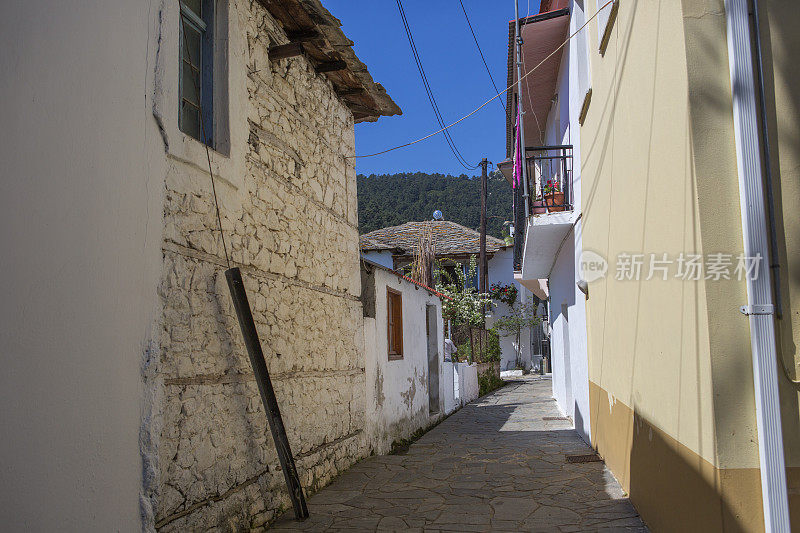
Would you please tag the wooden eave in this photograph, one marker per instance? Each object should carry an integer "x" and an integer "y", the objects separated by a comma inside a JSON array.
[{"x": 330, "y": 52}]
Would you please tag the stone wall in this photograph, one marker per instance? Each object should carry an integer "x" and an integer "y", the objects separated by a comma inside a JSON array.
[{"x": 290, "y": 222}]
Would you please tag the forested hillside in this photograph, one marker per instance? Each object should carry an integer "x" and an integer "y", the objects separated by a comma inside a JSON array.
[{"x": 391, "y": 199}]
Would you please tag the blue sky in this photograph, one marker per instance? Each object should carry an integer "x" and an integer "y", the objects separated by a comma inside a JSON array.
[{"x": 455, "y": 72}]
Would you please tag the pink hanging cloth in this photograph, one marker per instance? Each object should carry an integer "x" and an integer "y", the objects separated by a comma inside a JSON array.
[{"x": 517, "y": 177}]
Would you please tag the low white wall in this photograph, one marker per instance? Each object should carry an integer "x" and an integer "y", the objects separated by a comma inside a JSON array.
[
  {"x": 448, "y": 385},
  {"x": 467, "y": 382},
  {"x": 397, "y": 391}
]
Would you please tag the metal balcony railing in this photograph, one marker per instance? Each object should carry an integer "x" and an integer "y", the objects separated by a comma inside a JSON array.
[
  {"x": 549, "y": 171},
  {"x": 549, "y": 178}
]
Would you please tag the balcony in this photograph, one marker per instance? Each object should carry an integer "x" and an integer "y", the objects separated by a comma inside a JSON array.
[
  {"x": 550, "y": 216},
  {"x": 549, "y": 170}
]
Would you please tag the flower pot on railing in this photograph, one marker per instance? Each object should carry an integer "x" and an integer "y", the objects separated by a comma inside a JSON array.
[
  {"x": 555, "y": 202},
  {"x": 538, "y": 207}
]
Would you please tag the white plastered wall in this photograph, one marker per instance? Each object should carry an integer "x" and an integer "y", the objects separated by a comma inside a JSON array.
[
  {"x": 397, "y": 390},
  {"x": 80, "y": 226}
]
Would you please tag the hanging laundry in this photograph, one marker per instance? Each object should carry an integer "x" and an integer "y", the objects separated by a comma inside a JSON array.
[{"x": 517, "y": 177}]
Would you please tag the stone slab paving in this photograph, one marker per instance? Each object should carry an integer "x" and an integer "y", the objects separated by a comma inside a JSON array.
[{"x": 495, "y": 465}]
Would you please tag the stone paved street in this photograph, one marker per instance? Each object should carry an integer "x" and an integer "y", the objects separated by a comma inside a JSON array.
[{"x": 495, "y": 465}]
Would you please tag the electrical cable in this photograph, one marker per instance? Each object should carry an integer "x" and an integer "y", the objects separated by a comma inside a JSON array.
[
  {"x": 489, "y": 72},
  {"x": 459, "y": 157},
  {"x": 462, "y": 119}
]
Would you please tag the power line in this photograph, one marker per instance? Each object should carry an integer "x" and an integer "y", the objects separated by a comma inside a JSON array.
[
  {"x": 465, "y": 117},
  {"x": 489, "y": 72},
  {"x": 459, "y": 157}
]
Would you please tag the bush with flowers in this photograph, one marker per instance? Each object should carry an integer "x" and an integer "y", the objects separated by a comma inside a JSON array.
[
  {"x": 463, "y": 305},
  {"x": 506, "y": 293}
]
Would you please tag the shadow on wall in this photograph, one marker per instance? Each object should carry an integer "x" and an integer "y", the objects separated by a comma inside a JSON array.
[{"x": 676, "y": 490}]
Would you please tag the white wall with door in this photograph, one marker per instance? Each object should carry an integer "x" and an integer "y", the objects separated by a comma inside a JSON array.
[{"x": 404, "y": 357}]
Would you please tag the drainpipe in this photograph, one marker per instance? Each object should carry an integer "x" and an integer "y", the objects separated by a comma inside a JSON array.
[
  {"x": 774, "y": 265},
  {"x": 760, "y": 306},
  {"x": 518, "y": 38}
]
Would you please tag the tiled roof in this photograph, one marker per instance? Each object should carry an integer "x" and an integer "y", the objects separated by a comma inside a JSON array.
[{"x": 449, "y": 238}]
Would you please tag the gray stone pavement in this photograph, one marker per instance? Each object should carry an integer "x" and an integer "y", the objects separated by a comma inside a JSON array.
[{"x": 495, "y": 465}]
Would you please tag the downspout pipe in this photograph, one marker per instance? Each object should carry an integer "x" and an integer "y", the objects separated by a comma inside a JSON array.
[
  {"x": 518, "y": 39},
  {"x": 760, "y": 308},
  {"x": 775, "y": 264}
]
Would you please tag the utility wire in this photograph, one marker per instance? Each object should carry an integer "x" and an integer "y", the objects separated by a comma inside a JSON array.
[
  {"x": 489, "y": 72},
  {"x": 459, "y": 157},
  {"x": 531, "y": 71},
  {"x": 205, "y": 139}
]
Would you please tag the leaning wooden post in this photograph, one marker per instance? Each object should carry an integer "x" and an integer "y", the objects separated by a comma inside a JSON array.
[{"x": 245, "y": 316}]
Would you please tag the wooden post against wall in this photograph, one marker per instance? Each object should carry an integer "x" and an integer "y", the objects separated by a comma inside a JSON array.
[{"x": 250, "y": 334}]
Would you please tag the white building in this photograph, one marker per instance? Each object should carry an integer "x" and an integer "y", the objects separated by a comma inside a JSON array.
[
  {"x": 549, "y": 245},
  {"x": 393, "y": 248},
  {"x": 407, "y": 384}
]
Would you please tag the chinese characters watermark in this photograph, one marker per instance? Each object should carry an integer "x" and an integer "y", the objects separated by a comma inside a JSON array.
[{"x": 662, "y": 266}]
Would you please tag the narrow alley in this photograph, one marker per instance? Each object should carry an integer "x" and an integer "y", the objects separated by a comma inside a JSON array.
[{"x": 498, "y": 464}]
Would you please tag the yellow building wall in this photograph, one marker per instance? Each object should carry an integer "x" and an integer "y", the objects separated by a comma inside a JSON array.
[{"x": 670, "y": 368}]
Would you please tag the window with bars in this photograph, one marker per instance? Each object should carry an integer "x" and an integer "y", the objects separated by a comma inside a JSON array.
[
  {"x": 195, "y": 114},
  {"x": 394, "y": 311}
]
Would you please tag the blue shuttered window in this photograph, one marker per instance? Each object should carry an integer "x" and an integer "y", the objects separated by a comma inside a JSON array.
[{"x": 196, "y": 113}]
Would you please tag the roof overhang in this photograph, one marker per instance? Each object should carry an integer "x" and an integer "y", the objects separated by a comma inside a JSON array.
[
  {"x": 319, "y": 38},
  {"x": 536, "y": 286},
  {"x": 506, "y": 168},
  {"x": 542, "y": 35}
]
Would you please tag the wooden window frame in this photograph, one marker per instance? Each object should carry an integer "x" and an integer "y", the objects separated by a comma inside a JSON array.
[
  {"x": 204, "y": 66},
  {"x": 394, "y": 355}
]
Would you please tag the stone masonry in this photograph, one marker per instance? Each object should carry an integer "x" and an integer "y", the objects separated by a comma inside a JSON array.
[{"x": 291, "y": 226}]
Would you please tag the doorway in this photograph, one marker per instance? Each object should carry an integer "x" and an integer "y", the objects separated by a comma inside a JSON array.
[{"x": 433, "y": 358}]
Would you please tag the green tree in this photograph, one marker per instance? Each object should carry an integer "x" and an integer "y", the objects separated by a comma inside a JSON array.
[
  {"x": 522, "y": 317},
  {"x": 392, "y": 199}
]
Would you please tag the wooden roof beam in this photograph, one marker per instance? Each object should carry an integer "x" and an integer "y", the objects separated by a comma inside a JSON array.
[
  {"x": 352, "y": 91},
  {"x": 303, "y": 36},
  {"x": 282, "y": 51},
  {"x": 330, "y": 66}
]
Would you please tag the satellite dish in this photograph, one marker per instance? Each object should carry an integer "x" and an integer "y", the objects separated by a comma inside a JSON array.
[{"x": 437, "y": 215}]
